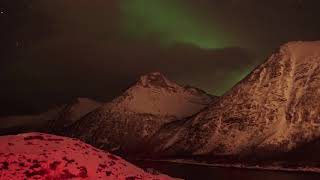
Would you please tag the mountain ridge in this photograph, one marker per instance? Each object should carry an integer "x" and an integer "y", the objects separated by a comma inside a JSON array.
[
  {"x": 136, "y": 115},
  {"x": 267, "y": 111}
]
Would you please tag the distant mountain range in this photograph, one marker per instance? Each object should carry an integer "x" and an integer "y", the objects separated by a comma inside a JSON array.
[
  {"x": 271, "y": 116},
  {"x": 123, "y": 125},
  {"x": 54, "y": 120},
  {"x": 128, "y": 122}
]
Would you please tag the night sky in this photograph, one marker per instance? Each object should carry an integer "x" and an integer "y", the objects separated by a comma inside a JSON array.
[{"x": 52, "y": 51}]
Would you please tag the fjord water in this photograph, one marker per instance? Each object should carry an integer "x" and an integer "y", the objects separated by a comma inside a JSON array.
[{"x": 196, "y": 172}]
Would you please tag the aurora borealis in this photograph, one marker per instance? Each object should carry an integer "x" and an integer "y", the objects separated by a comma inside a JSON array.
[
  {"x": 53, "y": 51},
  {"x": 173, "y": 21}
]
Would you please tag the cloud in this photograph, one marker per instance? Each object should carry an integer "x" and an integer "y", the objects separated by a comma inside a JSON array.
[
  {"x": 63, "y": 69},
  {"x": 71, "y": 49}
]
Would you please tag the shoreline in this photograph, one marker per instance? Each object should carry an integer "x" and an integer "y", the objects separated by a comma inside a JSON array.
[{"x": 238, "y": 166}]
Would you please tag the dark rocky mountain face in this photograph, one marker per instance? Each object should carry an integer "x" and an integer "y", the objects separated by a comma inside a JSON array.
[
  {"x": 273, "y": 110},
  {"x": 55, "y": 120},
  {"x": 126, "y": 124},
  {"x": 71, "y": 113}
]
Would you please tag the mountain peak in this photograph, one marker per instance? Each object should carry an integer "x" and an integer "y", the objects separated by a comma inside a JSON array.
[
  {"x": 276, "y": 107},
  {"x": 127, "y": 123},
  {"x": 155, "y": 94},
  {"x": 155, "y": 79}
]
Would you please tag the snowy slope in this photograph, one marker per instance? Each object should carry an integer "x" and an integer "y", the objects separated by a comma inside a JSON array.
[
  {"x": 126, "y": 123},
  {"x": 49, "y": 157},
  {"x": 154, "y": 94},
  {"x": 274, "y": 109}
]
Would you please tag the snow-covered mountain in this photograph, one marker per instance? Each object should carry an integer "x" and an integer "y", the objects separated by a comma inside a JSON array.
[
  {"x": 43, "y": 156},
  {"x": 274, "y": 109},
  {"x": 54, "y": 120},
  {"x": 18, "y": 124},
  {"x": 155, "y": 94},
  {"x": 72, "y": 112},
  {"x": 126, "y": 123}
]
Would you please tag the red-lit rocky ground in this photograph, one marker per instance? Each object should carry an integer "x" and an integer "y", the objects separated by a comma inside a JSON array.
[{"x": 44, "y": 156}]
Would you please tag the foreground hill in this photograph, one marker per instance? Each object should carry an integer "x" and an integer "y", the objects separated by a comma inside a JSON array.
[
  {"x": 127, "y": 123},
  {"x": 273, "y": 110},
  {"x": 43, "y": 156}
]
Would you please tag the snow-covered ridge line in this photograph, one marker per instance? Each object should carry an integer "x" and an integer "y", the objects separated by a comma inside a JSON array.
[
  {"x": 275, "y": 109},
  {"x": 154, "y": 94},
  {"x": 128, "y": 122}
]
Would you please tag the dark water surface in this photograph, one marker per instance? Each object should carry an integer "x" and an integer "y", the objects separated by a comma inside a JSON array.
[{"x": 196, "y": 172}]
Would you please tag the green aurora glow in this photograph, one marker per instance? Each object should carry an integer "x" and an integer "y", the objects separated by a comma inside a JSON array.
[{"x": 170, "y": 22}]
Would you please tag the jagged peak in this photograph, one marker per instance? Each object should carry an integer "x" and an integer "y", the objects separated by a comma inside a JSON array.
[
  {"x": 155, "y": 79},
  {"x": 155, "y": 94},
  {"x": 156, "y": 82}
]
